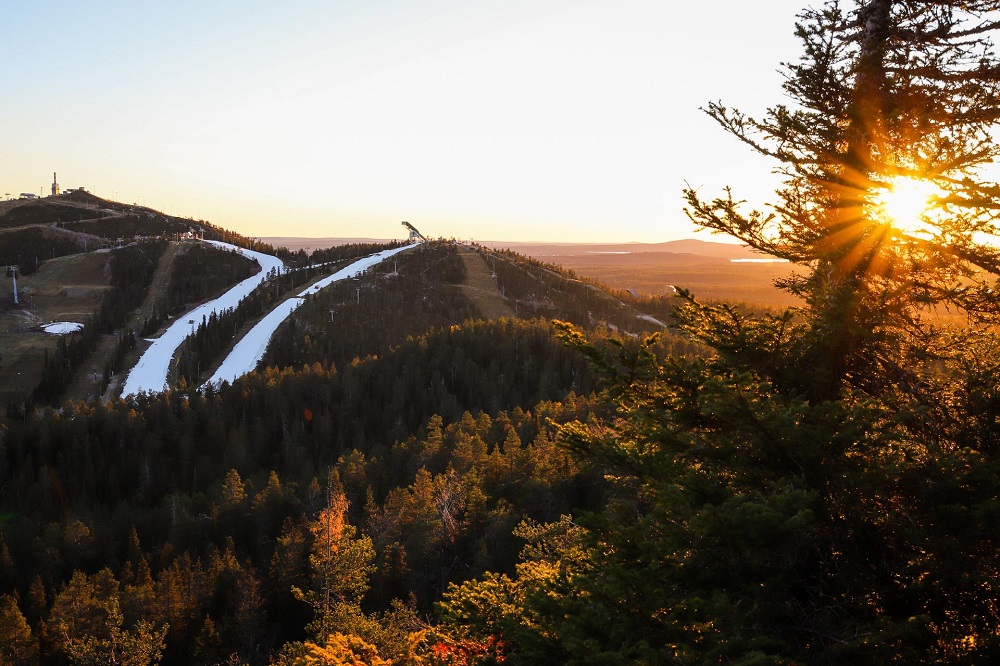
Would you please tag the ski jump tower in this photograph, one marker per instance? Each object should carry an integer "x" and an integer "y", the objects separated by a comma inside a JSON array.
[
  {"x": 55, "y": 185},
  {"x": 414, "y": 234}
]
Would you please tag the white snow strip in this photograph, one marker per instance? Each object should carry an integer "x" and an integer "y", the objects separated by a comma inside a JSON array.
[
  {"x": 62, "y": 327},
  {"x": 353, "y": 270},
  {"x": 150, "y": 373},
  {"x": 653, "y": 320},
  {"x": 250, "y": 349}
]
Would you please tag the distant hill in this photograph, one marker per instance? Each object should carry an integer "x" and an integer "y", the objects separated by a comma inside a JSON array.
[
  {"x": 543, "y": 250},
  {"x": 33, "y": 230},
  {"x": 296, "y": 243},
  {"x": 717, "y": 271},
  {"x": 687, "y": 246}
]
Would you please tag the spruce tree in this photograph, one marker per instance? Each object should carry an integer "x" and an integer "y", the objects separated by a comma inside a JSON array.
[{"x": 888, "y": 96}]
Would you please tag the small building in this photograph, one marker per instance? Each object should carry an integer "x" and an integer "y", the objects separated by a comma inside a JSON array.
[{"x": 28, "y": 195}]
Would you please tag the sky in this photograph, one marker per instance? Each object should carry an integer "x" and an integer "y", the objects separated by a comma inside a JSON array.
[{"x": 519, "y": 120}]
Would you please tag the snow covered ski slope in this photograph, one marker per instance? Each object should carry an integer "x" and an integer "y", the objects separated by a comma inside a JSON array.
[
  {"x": 250, "y": 349},
  {"x": 150, "y": 373}
]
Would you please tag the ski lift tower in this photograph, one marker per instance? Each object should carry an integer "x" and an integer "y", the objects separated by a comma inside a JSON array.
[
  {"x": 12, "y": 270},
  {"x": 414, "y": 234}
]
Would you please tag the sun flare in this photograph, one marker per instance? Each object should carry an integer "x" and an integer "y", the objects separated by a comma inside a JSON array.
[{"x": 906, "y": 203}]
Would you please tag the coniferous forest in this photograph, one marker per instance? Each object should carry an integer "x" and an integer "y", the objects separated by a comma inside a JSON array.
[{"x": 406, "y": 481}]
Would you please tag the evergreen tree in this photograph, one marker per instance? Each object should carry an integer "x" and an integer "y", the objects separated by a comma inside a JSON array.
[
  {"x": 889, "y": 97},
  {"x": 17, "y": 646}
]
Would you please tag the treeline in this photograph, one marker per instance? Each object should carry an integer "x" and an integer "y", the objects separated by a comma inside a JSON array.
[
  {"x": 201, "y": 271},
  {"x": 39, "y": 212},
  {"x": 213, "y": 232},
  {"x": 418, "y": 290},
  {"x": 28, "y": 248},
  {"x": 127, "y": 226},
  {"x": 349, "y": 250},
  {"x": 536, "y": 288}
]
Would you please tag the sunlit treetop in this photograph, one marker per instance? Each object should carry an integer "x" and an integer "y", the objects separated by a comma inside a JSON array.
[
  {"x": 886, "y": 144},
  {"x": 908, "y": 205}
]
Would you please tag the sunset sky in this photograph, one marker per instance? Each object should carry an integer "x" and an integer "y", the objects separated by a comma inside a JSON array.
[{"x": 505, "y": 120}]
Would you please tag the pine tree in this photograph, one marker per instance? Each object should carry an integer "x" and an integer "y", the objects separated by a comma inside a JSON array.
[
  {"x": 17, "y": 646},
  {"x": 341, "y": 564}
]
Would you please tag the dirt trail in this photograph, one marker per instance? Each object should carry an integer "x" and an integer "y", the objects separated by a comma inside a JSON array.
[
  {"x": 160, "y": 283},
  {"x": 86, "y": 382},
  {"x": 481, "y": 288}
]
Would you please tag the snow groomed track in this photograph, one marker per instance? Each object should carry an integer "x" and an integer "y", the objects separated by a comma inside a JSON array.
[
  {"x": 150, "y": 374},
  {"x": 250, "y": 349},
  {"x": 153, "y": 368}
]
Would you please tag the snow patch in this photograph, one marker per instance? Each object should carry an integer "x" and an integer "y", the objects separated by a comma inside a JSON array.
[
  {"x": 652, "y": 320},
  {"x": 62, "y": 327}
]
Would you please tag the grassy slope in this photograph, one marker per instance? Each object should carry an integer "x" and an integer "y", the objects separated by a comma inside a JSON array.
[
  {"x": 481, "y": 288},
  {"x": 63, "y": 289}
]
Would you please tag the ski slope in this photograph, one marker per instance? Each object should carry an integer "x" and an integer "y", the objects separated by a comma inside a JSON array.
[
  {"x": 250, "y": 349},
  {"x": 152, "y": 370}
]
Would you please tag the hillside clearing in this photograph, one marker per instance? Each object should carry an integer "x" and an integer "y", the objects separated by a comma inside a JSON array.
[{"x": 480, "y": 287}]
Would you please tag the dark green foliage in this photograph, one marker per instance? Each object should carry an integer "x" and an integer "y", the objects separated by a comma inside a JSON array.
[
  {"x": 438, "y": 502},
  {"x": 28, "y": 248},
  {"x": 216, "y": 333},
  {"x": 339, "y": 253},
  {"x": 534, "y": 288},
  {"x": 749, "y": 525},
  {"x": 872, "y": 101},
  {"x": 39, "y": 212},
  {"x": 822, "y": 489},
  {"x": 202, "y": 271}
]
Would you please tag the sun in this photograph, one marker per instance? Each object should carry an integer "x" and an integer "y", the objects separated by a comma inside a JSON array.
[{"x": 905, "y": 203}]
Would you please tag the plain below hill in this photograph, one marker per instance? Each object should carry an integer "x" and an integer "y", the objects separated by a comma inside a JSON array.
[{"x": 711, "y": 271}]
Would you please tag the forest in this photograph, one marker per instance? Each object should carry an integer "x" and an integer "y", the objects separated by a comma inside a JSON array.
[{"x": 404, "y": 481}]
